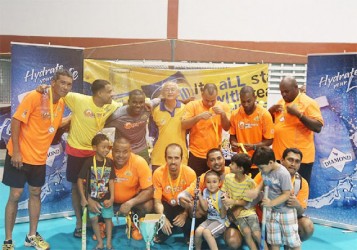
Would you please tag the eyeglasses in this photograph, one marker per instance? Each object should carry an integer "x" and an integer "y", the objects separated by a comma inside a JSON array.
[{"x": 170, "y": 90}]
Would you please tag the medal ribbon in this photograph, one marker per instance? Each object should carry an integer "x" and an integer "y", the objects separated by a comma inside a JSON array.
[
  {"x": 215, "y": 128},
  {"x": 51, "y": 106},
  {"x": 95, "y": 169},
  {"x": 215, "y": 202},
  {"x": 178, "y": 182},
  {"x": 98, "y": 119}
]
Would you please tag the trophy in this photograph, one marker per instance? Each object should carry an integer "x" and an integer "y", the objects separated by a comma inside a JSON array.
[{"x": 149, "y": 226}]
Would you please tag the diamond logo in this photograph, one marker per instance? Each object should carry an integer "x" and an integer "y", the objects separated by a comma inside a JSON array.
[{"x": 337, "y": 160}]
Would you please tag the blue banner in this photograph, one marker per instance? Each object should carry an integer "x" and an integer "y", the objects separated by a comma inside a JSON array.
[
  {"x": 332, "y": 82},
  {"x": 31, "y": 65}
]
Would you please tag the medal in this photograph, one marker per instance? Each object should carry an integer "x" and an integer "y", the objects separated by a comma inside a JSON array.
[
  {"x": 51, "y": 129},
  {"x": 173, "y": 202}
]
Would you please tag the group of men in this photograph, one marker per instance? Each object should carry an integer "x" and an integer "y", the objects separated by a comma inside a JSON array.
[{"x": 164, "y": 188}]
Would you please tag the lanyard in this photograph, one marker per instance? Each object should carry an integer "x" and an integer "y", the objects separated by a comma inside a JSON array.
[
  {"x": 95, "y": 169},
  {"x": 98, "y": 119},
  {"x": 51, "y": 106},
  {"x": 215, "y": 128},
  {"x": 215, "y": 202},
  {"x": 177, "y": 183}
]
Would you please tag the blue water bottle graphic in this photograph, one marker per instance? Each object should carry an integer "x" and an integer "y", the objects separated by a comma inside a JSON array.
[{"x": 334, "y": 159}]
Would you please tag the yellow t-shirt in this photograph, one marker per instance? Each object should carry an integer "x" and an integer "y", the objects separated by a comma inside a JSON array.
[
  {"x": 87, "y": 119},
  {"x": 169, "y": 131}
]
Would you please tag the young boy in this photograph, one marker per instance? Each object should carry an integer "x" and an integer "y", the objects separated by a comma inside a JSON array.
[
  {"x": 235, "y": 186},
  {"x": 281, "y": 220},
  {"x": 98, "y": 172},
  {"x": 210, "y": 201}
]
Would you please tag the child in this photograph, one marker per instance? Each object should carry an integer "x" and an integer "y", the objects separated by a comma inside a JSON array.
[
  {"x": 236, "y": 184},
  {"x": 281, "y": 220},
  {"x": 98, "y": 172},
  {"x": 211, "y": 202}
]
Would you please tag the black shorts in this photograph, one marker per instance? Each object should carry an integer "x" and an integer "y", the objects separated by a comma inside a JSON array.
[
  {"x": 34, "y": 175},
  {"x": 74, "y": 166}
]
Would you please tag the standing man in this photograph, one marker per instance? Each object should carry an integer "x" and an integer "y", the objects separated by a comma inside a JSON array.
[
  {"x": 169, "y": 180},
  {"x": 165, "y": 125},
  {"x": 88, "y": 117},
  {"x": 296, "y": 118},
  {"x": 205, "y": 119},
  {"x": 33, "y": 130},
  {"x": 251, "y": 125},
  {"x": 133, "y": 189},
  {"x": 298, "y": 198},
  {"x": 130, "y": 121}
]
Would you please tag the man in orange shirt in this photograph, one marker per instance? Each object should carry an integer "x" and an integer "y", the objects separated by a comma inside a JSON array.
[
  {"x": 169, "y": 180},
  {"x": 296, "y": 118},
  {"x": 205, "y": 119},
  {"x": 251, "y": 125},
  {"x": 133, "y": 189},
  {"x": 32, "y": 131},
  {"x": 298, "y": 199}
]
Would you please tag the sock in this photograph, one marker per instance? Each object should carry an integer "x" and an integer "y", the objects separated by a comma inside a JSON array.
[{"x": 8, "y": 241}]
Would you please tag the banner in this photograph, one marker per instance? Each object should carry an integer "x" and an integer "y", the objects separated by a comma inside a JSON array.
[
  {"x": 31, "y": 65},
  {"x": 332, "y": 82},
  {"x": 5, "y": 122},
  {"x": 229, "y": 81}
]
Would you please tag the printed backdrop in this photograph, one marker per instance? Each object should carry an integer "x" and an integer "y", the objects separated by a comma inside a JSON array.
[
  {"x": 32, "y": 65},
  {"x": 229, "y": 81},
  {"x": 332, "y": 81}
]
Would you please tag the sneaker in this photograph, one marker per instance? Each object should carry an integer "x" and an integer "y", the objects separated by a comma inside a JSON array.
[
  {"x": 37, "y": 242},
  {"x": 8, "y": 245}
]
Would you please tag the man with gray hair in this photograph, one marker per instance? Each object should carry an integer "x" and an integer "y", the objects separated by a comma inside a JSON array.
[{"x": 165, "y": 124}]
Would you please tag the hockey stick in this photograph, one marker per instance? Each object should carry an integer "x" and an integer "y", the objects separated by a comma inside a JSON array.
[
  {"x": 192, "y": 233},
  {"x": 84, "y": 229},
  {"x": 262, "y": 239}
]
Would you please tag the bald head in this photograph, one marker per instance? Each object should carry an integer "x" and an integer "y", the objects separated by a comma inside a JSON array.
[{"x": 289, "y": 88}]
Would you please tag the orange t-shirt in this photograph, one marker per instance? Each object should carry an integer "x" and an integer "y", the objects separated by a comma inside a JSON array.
[
  {"x": 205, "y": 134},
  {"x": 35, "y": 138},
  {"x": 163, "y": 189},
  {"x": 191, "y": 189},
  {"x": 303, "y": 194},
  {"x": 253, "y": 128},
  {"x": 290, "y": 132},
  {"x": 134, "y": 176}
]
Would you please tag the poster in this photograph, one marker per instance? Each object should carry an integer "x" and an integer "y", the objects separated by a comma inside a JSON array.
[
  {"x": 332, "y": 82},
  {"x": 31, "y": 65}
]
